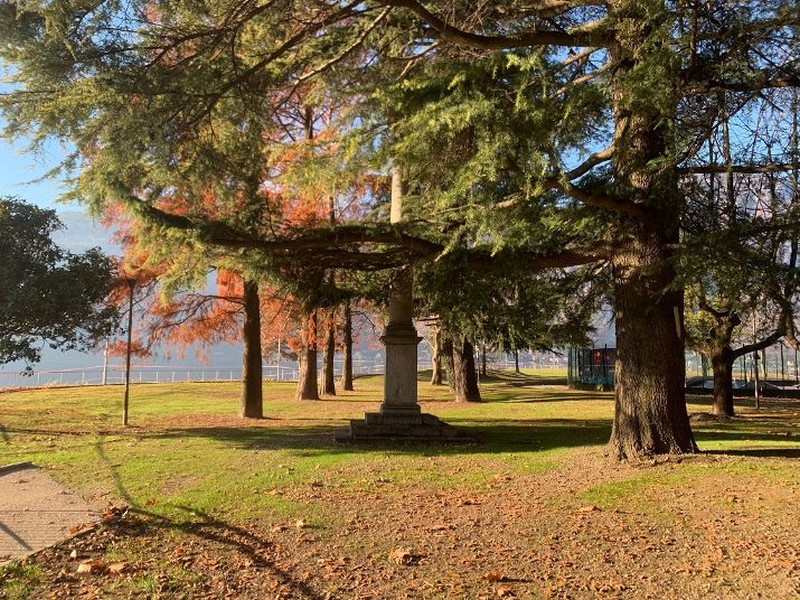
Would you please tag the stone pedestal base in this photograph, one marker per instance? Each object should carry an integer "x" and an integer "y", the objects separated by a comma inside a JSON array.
[
  {"x": 400, "y": 378},
  {"x": 397, "y": 425},
  {"x": 400, "y": 416}
]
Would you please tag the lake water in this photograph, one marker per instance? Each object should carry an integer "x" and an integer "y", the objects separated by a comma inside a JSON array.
[{"x": 75, "y": 368}]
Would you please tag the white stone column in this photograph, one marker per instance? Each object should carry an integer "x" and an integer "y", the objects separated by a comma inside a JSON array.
[
  {"x": 400, "y": 416},
  {"x": 400, "y": 338}
]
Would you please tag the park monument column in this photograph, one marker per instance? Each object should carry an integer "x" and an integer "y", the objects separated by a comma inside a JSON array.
[
  {"x": 400, "y": 337},
  {"x": 400, "y": 416}
]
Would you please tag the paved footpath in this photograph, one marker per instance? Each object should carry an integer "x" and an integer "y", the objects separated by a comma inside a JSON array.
[{"x": 36, "y": 511}]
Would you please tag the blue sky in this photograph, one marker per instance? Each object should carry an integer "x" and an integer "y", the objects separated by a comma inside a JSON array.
[
  {"x": 19, "y": 171},
  {"x": 18, "y": 168}
]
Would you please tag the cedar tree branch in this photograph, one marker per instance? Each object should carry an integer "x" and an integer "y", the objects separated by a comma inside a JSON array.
[
  {"x": 588, "y": 36},
  {"x": 346, "y": 245}
]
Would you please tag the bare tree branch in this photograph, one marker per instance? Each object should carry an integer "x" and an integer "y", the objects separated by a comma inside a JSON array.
[
  {"x": 763, "y": 80},
  {"x": 747, "y": 169},
  {"x": 343, "y": 54}
]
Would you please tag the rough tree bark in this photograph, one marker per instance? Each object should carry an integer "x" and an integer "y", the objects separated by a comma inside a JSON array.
[
  {"x": 722, "y": 356},
  {"x": 650, "y": 413},
  {"x": 465, "y": 376},
  {"x": 252, "y": 399},
  {"x": 347, "y": 364},
  {"x": 307, "y": 377},
  {"x": 722, "y": 367}
]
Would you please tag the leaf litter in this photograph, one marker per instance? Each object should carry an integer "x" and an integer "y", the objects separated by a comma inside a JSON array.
[{"x": 531, "y": 537}]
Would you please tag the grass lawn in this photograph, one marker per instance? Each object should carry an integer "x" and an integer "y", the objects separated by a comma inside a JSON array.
[{"x": 222, "y": 507}]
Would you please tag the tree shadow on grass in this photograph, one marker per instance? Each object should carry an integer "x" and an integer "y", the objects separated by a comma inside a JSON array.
[
  {"x": 759, "y": 452},
  {"x": 739, "y": 432},
  {"x": 215, "y": 534},
  {"x": 481, "y": 436},
  {"x": 252, "y": 545},
  {"x": 544, "y": 396},
  {"x": 537, "y": 434}
]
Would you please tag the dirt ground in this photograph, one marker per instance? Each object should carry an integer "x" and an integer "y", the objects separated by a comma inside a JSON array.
[{"x": 523, "y": 536}]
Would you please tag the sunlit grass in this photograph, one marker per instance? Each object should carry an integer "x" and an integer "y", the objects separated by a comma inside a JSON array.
[
  {"x": 185, "y": 442},
  {"x": 16, "y": 580},
  {"x": 187, "y": 463}
]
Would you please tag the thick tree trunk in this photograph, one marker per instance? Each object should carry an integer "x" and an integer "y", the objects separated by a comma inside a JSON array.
[
  {"x": 347, "y": 364},
  {"x": 722, "y": 365},
  {"x": 328, "y": 363},
  {"x": 650, "y": 413},
  {"x": 722, "y": 357},
  {"x": 252, "y": 400},
  {"x": 307, "y": 378},
  {"x": 436, "y": 356},
  {"x": 465, "y": 378}
]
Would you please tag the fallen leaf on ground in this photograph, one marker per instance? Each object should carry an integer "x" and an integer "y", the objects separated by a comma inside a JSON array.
[
  {"x": 404, "y": 557},
  {"x": 112, "y": 511},
  {"x": 494, "y": 576},
  {"x": 92, "y": 566},
  {"x": 117, "y": 567},
  {"x": 79, "y": 527}
]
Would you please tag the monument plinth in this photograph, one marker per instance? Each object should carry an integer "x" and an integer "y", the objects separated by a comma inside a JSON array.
[{"x": 400, "y": 416}]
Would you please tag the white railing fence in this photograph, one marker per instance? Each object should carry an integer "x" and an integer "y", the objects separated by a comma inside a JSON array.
[{"x": 114, "y": 373}]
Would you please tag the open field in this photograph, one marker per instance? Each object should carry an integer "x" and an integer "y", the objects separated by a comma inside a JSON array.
[{"x": 219, "y": 507}]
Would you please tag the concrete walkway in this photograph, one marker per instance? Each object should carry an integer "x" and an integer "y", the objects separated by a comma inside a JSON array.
[{"x": 36, "y": 511}]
